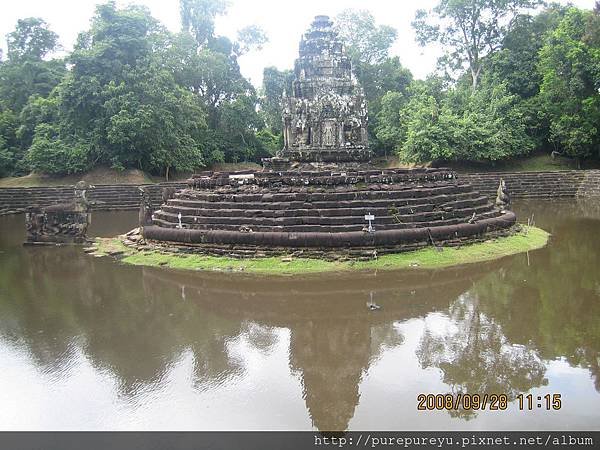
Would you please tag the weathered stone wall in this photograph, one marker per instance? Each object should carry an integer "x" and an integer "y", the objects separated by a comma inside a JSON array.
[
  {"x": 108, "y": 197},
  {"x": 580, "y": 183},
  {"x": 529, "y": 184},
  {"x": 590, "y": 185}
]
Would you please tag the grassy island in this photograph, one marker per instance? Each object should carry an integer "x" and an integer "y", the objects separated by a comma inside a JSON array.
[{"x": 529, "y": 238}]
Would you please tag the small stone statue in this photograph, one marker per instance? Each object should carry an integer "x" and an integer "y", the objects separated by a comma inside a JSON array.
[
  {"x": 146, "y": 208},
  {"x": 168, "y": 193},
  {"x": 81, "y": 202},
  {"x": 502, "y": 197}
]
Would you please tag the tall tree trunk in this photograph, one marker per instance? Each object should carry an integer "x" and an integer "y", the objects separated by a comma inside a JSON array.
[
  {"x": 167, "y": 174},
  {"x": 475, "y": 77}
]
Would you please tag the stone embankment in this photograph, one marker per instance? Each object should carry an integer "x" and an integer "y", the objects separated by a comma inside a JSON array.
[
  {"x": 590, "y": 185},
  {"x": 104, "y": 197},
  {"x": 559, "y": 184}
]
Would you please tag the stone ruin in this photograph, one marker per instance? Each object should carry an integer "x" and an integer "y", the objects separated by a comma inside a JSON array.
[
  {"x": 320, "y": 196},
  {"x": 62, "y": 223},
  {"x": 325, "y": 114}
]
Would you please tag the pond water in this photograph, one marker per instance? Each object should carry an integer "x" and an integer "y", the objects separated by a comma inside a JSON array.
[{"x": 90, "y": 344}]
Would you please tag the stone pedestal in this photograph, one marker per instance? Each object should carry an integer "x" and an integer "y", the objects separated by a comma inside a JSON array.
[
  {"x": 56, "y": 226},
  {"x": 63, "y": 223}
]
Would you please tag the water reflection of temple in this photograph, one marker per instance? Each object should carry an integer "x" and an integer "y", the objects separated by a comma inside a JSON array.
[{"x": 334, "y": 338}]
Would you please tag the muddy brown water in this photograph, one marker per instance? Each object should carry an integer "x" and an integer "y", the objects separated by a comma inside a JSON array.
[{"x": 90, "y": 344}]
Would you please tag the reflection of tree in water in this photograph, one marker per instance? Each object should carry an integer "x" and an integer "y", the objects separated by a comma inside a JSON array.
[
  {"x": 552, "y": 304},
  {"x": 475, "y": 357},
  {"x": 66, "y": 302},
  {"x": 139, "y": 322},
  {"x": 545, "y": 310}
]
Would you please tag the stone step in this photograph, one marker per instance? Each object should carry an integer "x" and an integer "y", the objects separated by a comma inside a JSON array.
[
  {"x": 388, "y": 208},
  {"x": 324, "y": 228},
  {"x": 301, "y": 194},
  {"x": 218, "y": 221},
  {"x": 282, "y": 201}
]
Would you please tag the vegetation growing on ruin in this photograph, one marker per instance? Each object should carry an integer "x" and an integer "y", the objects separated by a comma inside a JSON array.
[{"x": 529, "y": 238}]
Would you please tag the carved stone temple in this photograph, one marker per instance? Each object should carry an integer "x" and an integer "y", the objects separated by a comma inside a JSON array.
[
  {"x": 325, "y": 115},
  {"x": 321, "y": 196}
]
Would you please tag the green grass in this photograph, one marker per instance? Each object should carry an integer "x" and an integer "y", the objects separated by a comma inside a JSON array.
[{"x": 429, "y": 258}]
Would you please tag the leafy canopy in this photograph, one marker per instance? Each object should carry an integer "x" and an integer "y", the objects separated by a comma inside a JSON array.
[{"x": 469, "y": 30}]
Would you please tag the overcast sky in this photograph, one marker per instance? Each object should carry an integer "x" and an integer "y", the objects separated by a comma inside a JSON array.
[{"x": 283, "y": 20}]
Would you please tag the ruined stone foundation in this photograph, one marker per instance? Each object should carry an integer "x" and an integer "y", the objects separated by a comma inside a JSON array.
[{"x": 323, "y": 213}]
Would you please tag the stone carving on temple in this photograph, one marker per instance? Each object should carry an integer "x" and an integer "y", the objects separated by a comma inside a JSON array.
[{"x": 325, "y": 116}]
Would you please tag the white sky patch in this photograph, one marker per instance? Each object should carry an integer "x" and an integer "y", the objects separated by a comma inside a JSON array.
[{"x": 284, "y": 22}]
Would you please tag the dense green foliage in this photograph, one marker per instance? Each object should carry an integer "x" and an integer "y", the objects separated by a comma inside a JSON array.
[
  {"x": 462, "y": 126},
  {"x": 368, "y": 45},
  {"x": 131, "y": 94},
  {"x": 570, "y": 88},
  {"x": 275, "y": 84},
  {"x": 534, "y": 86},
  {"x": 469, "y": 30},
  {"x": 135, "y": 95}
]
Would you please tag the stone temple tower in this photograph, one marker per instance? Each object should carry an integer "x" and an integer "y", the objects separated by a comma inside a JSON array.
[{"x": 325, "y": 115}]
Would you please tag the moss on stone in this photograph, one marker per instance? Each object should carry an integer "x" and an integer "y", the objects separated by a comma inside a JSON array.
[{"x": 529, "y": 238}]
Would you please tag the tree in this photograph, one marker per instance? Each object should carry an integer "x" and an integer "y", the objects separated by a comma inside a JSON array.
[
  {"x": 153, "y": 124},
  {"x": 26, "y": 72},
  {"x": 471, "y": 30},
  {"x": 463, "y": 126},
  {"x": 52, "y": 155},
  {"x": 391, "y": 128},
  {"x": 238, "y": 123},
  {"x": 366, "y": 42},
  {"x": 570, "y": 68},
  {"x": 31, "y": 40},
  {"x": 23, "y": 75},
  {"x": 268, "y": 143},
  {"x": 377, "y": 80},
  {"x": 368, "y": 45},
  {"x": 217, "y": 80},
  {"x": 251, "y": 37},
  {"x": 516, "y": 62},
  {"x": 8, "y": 141},
  {"x": 121, "y": 99},
  {"x": 198, "y": 18},
  {"x": 516, "y": 66},
  {"x": 37, "y": 110},
  {"x": 275, "y": 84},
  {"x": 398, "y": 108}
]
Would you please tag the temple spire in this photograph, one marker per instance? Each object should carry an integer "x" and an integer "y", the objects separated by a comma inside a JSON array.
[{"x": 325, "y": 115}]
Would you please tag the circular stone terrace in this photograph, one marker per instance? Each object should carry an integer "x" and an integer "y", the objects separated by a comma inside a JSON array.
[{"x": 320, "y": 213}]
